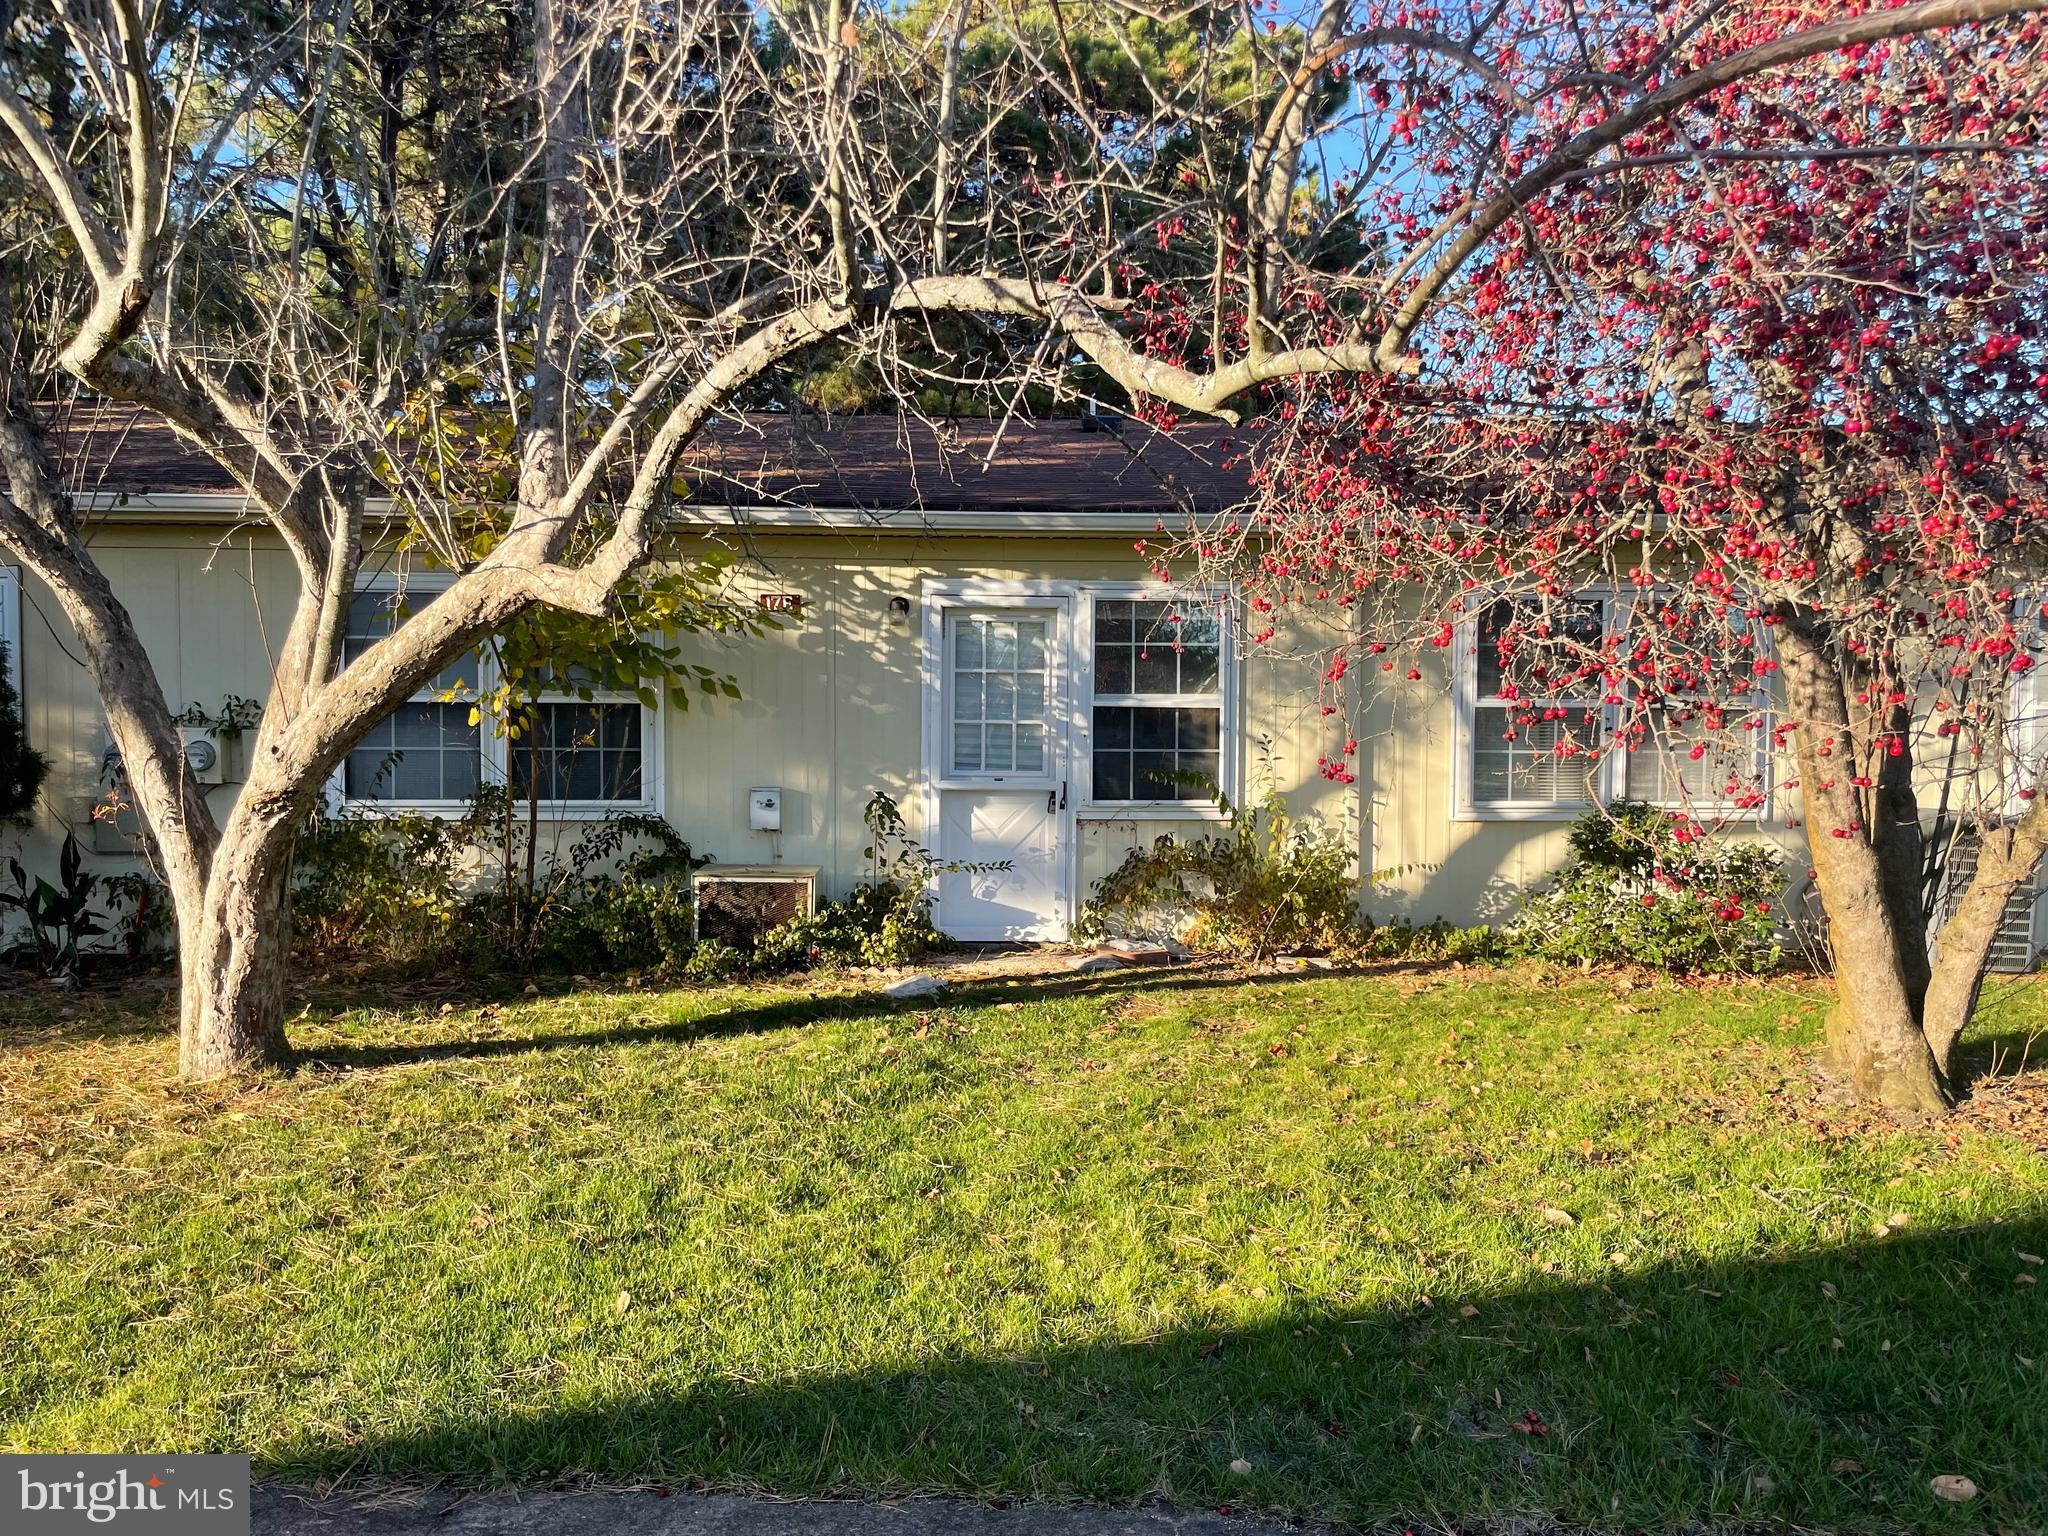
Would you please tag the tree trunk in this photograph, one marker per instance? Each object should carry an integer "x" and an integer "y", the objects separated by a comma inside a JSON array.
[
  {"x": 2006, "y": 859},
  {"x": 234, "y": 956},
  {"x": 1873, "y": 1029}
]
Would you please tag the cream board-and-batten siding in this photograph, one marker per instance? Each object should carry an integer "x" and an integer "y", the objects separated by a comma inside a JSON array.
[
  {"x": 833, "y": 704},
  {"x": 830, "y": 706}
]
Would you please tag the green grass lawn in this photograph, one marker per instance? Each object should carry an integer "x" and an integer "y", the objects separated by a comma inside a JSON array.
[{"x": 1415, "y": 1248}]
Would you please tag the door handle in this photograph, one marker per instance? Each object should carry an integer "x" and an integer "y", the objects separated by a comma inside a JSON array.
[{"x": 1063, "y": 794}]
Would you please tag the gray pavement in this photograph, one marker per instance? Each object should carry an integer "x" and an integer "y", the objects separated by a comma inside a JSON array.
[{"x": 296, "y": 1512}]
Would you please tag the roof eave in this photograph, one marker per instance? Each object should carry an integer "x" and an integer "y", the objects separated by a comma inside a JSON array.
[{"x": 219, "y": 506}]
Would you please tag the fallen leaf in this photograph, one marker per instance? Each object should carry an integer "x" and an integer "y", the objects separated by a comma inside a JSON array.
[
  {"x": 1828, "y": 1290},
  {"x": 1468, "y": 1310},
  {"x": 623, "y": 1302},
  {"x": 1953, "y": 1488},
  {"x": 1556, "y": 1216},
  {"x": 1243, "y": 1468},
  {"x": 2030, "y": 1258},
  {"x": 1847, "y": 1466}
]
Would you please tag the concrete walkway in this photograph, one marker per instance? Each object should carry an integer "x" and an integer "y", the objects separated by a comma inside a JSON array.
[{"x": 296, "y": 1512}]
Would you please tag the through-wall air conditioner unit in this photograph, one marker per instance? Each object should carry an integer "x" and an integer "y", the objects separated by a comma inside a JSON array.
[
  {"x": 737, "y": 903},
  {"x": 205, "y": 755},
  {"x": 2018, "y": 944}
]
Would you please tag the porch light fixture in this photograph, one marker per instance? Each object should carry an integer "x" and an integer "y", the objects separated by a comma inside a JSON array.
[{"x": 899, "y": 613}]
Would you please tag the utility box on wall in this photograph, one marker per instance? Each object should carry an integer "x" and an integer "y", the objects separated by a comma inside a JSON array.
[
  {"x": 737, "y": 903},
  {"x": 764, "y": 808}
]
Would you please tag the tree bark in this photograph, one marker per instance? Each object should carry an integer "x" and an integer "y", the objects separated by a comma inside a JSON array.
[
  {"x": 1873, "y": 1030},
  {"x": 235, "y": 952},
  {"x": 1896, "y": 835},
  {"x": 2006, "y": 859}
]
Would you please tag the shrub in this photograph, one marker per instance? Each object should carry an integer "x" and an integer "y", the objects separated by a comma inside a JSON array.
[
  {"x": 715, "y": 961},
  {"x": 1265, "y": 884},
  {"x": 384, "y": 886},
  {"x": 1651, "y": 887},
  {"x": 881, "y": 924},
  {"x": 886, "y": 921},
  {"x": 619, "y": 902},
  {"x": 147, "y": 926},
  {"x": 1437, "y": 941},
  {"x": 415, "y": 890},
  {"x": 61, "y": 916}
]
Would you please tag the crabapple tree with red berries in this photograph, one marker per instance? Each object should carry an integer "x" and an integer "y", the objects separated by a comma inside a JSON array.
[{"x": 1722, "y": 465}]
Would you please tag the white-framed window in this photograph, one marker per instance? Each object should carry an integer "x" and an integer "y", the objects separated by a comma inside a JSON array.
[
  {"x": 2026, "y": 703},
  {"x": 1522, "y": 754},
  {"x": 1572, "y": 734},
  {"x": 583, "y": 756},
  {"x": 1704, "y": 743},
  {"x": 1000, "y": 665},
  {"x": 427, "y": 754},
  {"x": 582, "y": 753},
  {"x": 10, "y": 631},
  {"x": 1158, "y": 722}
]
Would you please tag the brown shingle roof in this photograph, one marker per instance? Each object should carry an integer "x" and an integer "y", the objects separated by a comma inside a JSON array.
[
  {"x": 118, "y": 450},
  {"x": 1067, "y": 465},
  {"x": 865, "y": 462}
]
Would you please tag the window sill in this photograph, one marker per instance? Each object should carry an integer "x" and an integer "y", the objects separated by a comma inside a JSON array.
[
  {"x": 1155, "y": 811},
  {"x": 454, "y": 810},
  {"x": 1557, "y": 813}
]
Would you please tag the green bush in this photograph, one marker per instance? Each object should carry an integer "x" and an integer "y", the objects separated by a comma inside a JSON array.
[
  {"x": 389, "y": 887},
  {"x": 715, "y": 961},
  {"x": 626, "y": 924},
  {"x": 60, "y": 917},
  {"x": 887, "y": 921},
  {"x": 1437, "y": 941},
  {"x": 413, "y": 890},
  {"x": 1651, "y": 887},
  {"x": 619, "y": 902},
  {"x": 147, "y": 927},
  {"x": 881, "y": 924},
  {"x": 1263, "y": 885}
]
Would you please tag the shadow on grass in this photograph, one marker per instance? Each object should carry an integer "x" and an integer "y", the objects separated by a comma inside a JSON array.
[
  {"x": 1823, "y": 1389},
  {"x": 792, "y": 1012},
  {"x": 2005, "y": 1053},
  {"x": 35, "y": 1011}
]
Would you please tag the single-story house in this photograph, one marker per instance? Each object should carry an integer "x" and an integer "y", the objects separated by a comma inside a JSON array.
[{"x": 968, "y": 622}]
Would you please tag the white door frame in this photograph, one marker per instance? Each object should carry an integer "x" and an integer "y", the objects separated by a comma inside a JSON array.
[{"x": 1063, "y": 730}]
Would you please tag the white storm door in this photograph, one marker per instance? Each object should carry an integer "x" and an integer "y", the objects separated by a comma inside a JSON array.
[{"x": 997, "y": 764}]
